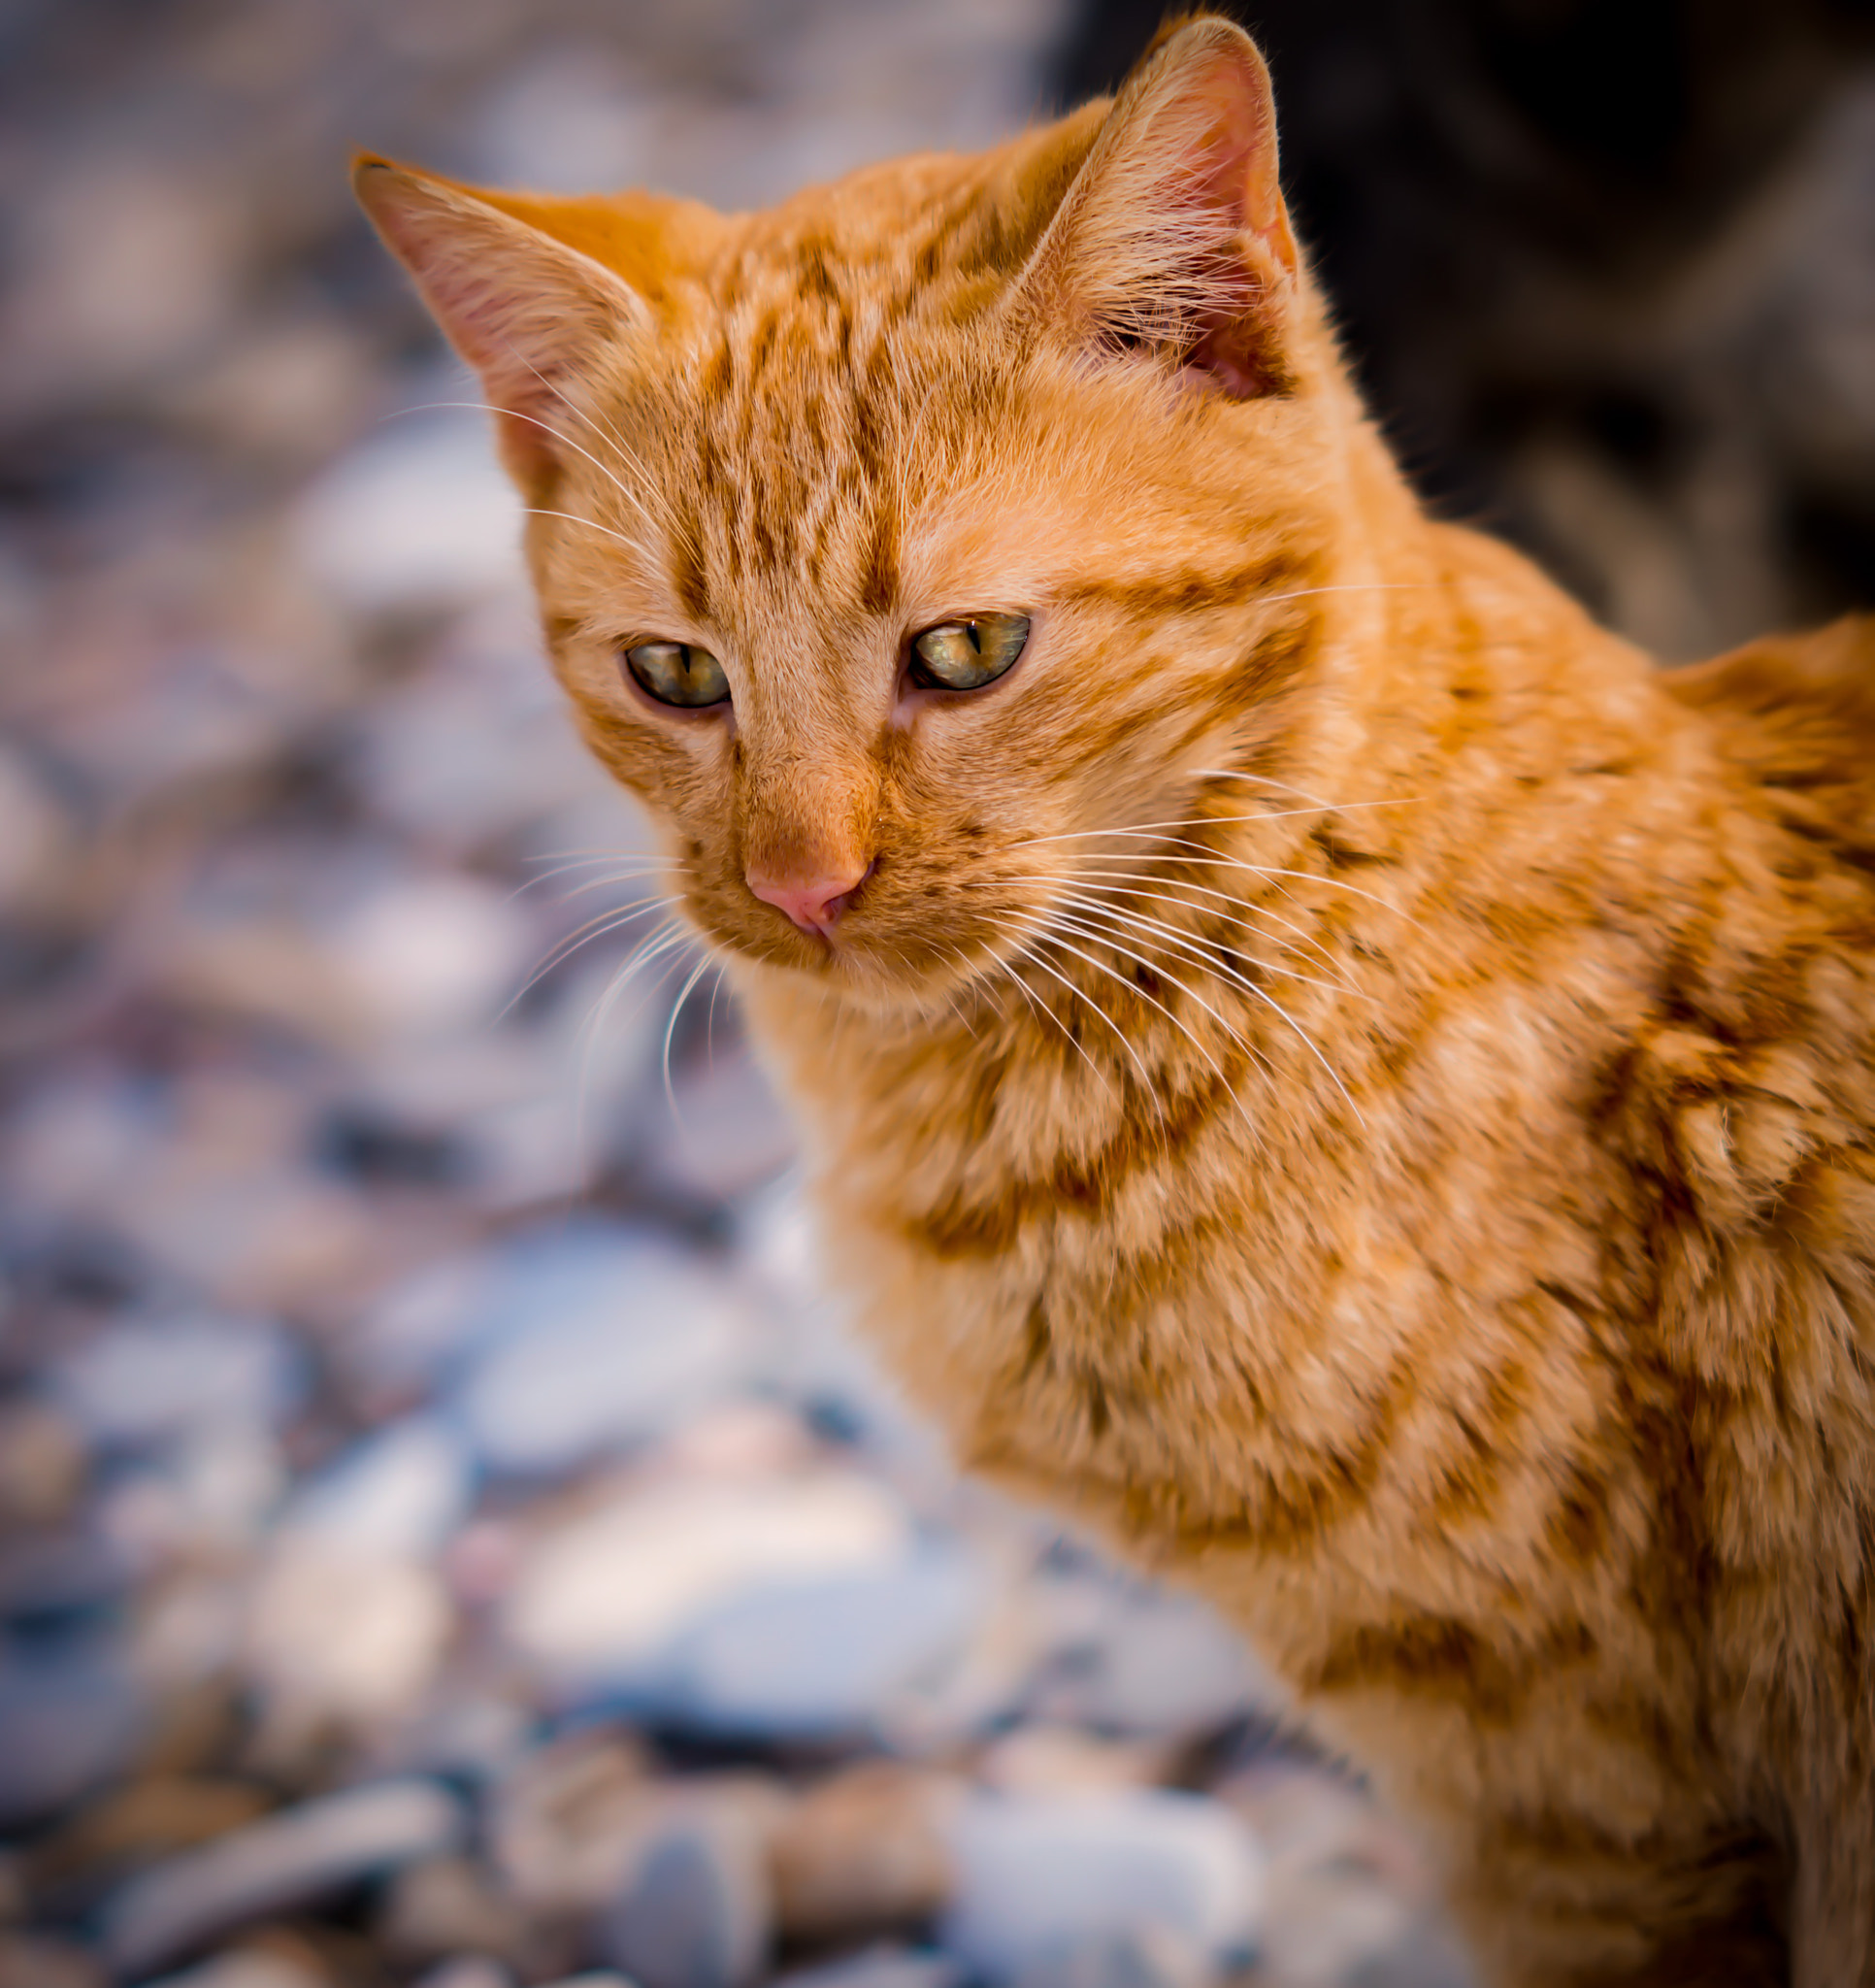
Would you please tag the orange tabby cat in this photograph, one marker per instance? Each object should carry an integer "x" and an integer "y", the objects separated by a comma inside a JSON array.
[{"x": 1321, "y": 1060}]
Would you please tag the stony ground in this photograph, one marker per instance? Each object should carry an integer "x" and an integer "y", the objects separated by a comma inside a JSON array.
[{"x": 444, "y": 1535}]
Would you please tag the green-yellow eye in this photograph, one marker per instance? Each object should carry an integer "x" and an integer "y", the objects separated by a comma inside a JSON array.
[
  {"x": 678, "y": 673},
  {"x": 965, "y": 655}
]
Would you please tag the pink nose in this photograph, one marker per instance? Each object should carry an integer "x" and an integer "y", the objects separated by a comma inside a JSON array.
[{"x": 813, "y": 903}]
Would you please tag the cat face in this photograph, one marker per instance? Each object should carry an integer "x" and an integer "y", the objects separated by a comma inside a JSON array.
[{"x": 909, "y": 548}]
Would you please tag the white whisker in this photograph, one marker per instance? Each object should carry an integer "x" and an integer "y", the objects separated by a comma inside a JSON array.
[
  {"x": 671, "y": 1028},
  {"x": 1100, "y": 937},
  {"x": 1249, "y": 988},
  {"x": 1197, "y": 948}
]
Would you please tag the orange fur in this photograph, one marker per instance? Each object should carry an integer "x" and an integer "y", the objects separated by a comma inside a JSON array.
[{"x": 1342, "y": 1073}]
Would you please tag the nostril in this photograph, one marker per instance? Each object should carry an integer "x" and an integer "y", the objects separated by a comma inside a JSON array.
[{"x": 813, "y": 903}]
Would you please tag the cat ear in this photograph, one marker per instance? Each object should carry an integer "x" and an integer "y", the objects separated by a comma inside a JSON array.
[
  {"x": 1173, "y": 234},
  {"x": 526, "y": 310}
]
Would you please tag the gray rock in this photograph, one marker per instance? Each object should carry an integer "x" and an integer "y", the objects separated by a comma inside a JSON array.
[
  {"x": 145, "y": 1378},
  {"x": 1148, "y": 1958},
  {"x": 880, "y": 1966},
  {"x": 466, "y": 1971},
  {"x": 1143, "y": 1663},
  {"x": 68, "y": 1725},
  {"x": 1034, "y": 1877},
  {"x": 277, "y": 1865},
  {"x": 694, "y": 1913},
  {"x": 401, "y": 1492},
  {"x": 825, "y": 1657},
  {"x": 246, "y": 1969},
  {"x": 1428, "y": 1957},
  {"x": 34, "y": 1960},
  {"x": 594, "y": 1336}
]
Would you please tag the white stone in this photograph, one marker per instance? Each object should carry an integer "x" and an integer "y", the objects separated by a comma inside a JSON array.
[
  {"x": 333, "y": 1632},
  {"x": 1033, "y": 1876},
  {"x": 425, "y": 955},
  {"x": 605, "y": 1598},
  {"x": 277, "y": 1865},
  {"x": 418, "y": 513}
]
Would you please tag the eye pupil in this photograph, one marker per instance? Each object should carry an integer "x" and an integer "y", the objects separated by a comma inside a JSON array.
[
  {"x": 967, "y": 653},
  {"x": 678, "y": 672}
]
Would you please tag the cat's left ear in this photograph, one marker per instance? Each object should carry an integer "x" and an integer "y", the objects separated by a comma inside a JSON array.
[
  {"x": 1173, "y": 234},
  {"x": 528, "y": 313}
]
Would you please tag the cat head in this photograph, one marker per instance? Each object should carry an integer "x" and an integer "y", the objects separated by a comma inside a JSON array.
[{"x": 904, "y": 546}]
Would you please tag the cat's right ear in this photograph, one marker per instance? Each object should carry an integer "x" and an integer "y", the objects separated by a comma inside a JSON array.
[
  {"x": 527, "y": 311},
  {"x": 1173, "y": 234}
]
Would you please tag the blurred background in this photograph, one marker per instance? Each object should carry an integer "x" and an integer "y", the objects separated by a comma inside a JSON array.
[{"x": 444, "y": 1535}]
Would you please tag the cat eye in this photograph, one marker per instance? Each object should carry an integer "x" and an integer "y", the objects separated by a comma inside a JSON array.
[
  {"x": 965, "y": 655},
  {"x": 678, "y": 672}
]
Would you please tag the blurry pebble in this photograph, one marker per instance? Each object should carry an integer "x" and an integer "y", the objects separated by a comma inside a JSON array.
[
  {"x": 149, "y": 1378},
  {"x": 740, "y": 1439},
  {"x": 602, "y": 1598},
  {"x": 1144, "y": 1663},
  {"x": 426, "y": 955},
  {"x": 408, "y": 1331},
  {"x": 1063, "y": 1760},
  {"x": 726, "y": 1131},
  {"x": 43, "y": 1462},
  {"x": 696, "y": 1912},
  {"x": 288, "y": 1859},
  {"x": 148, "y": 1818},
  {"x": 418, "y": 513},
  {"x": 1349, "y": 1900},
  {"x": 68, "y": 1724},
  {"x": 808, "y": 1658},
  {"x": 595, "y": 1337},
  {"x": 882, "y": 1967},
  {"x": 563, "y": 1824},
  {"x": 37, "y": 1961},
  {"x": 466, "y": 1971},
  {"x": 33, "y": 834},
  {"x": 862, "y": 1852},
  {"x": 212, "y": 1488},
  {"x": 248, "y": 1968},
  {"x": 1149, "y": 1957},
  {"x": 399, "y": 1492},
  {"x": 1427, "y": 1956},
  {"x": 446, "y": 1905},
  {"x": 1033, "y": 1876},
  {"x": 344, "y": 1634}
]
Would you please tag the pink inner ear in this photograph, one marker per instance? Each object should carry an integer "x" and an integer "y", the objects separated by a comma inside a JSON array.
[
  {"x": 1221, "y": 183},
  {"x": 523, "y": 310}
]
